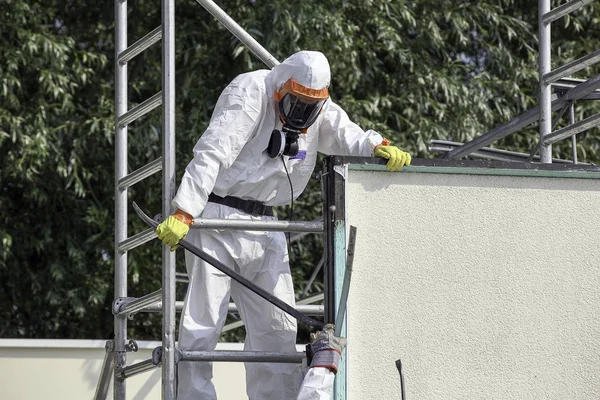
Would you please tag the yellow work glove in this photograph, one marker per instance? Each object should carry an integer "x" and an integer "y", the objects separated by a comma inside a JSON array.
[
  {"x": 396, "y": 157},
  {"x": 174, "y": 228}
]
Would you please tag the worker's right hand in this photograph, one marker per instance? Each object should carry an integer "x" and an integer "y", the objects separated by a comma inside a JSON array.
[{"x": 174, "y": 228}]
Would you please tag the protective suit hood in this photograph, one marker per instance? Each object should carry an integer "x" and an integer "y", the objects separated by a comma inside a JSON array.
[{"x": 308, "y": 68}]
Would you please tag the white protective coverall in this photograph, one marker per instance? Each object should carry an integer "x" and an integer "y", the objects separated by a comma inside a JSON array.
[
  {"x": 230, "y": 160},
  {"x": 317, "y": 385}
]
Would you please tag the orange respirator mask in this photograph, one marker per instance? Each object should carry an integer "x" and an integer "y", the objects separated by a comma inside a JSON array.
[{"x": 299, "y": 108}]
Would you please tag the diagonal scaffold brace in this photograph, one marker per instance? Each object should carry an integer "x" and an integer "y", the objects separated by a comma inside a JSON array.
[{"x": 235, "y": 276}]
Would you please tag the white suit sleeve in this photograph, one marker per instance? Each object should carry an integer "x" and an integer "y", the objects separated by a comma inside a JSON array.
[
  {"x": 340, "y": 136},
  {"x": 231, "y": 125},
  {"x": 317, "y": 385}
]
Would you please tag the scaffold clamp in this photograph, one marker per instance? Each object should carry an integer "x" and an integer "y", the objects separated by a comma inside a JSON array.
[{"x": 120, "y": 302}]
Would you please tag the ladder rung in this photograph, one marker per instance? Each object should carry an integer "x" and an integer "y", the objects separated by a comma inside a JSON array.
[
  {"x": 573, "y": 129},
  {"x": 572, "y": 67},
  {"x": 135, "y": 369},
  {"x": 140, "y": 110},
  {"x": 140, "y": 174},
  {"x": 563, "y": 10},
  {"x": 139, "y": 303},
  {"x": 246, "y": 356},
  {"x": 137, "y": 240},
  {"x": 129, "y": 53}
]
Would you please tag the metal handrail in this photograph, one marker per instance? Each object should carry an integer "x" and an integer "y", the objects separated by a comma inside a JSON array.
[
  {"x": 239, "y": 32},
  {"x": 245, "y": 356},
  {"x": 279, "y": 226}
]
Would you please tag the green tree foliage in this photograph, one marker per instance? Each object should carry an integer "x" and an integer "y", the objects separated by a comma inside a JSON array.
[
  {"x": 413, "y": 70},
  {"x": 52, "y": 140}
]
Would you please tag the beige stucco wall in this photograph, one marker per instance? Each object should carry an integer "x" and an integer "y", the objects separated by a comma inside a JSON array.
[
  {"x": 487, "y": 287},
  {"x": 69, "y": 369}
]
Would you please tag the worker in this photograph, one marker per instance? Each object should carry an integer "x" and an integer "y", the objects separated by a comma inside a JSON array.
[
  {"x": 324, "y": 353},
  {"x": 259, "y": 151}
]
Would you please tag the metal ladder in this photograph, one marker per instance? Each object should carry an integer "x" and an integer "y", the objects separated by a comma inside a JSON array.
[
  {"x": 569, "y": 90},
  {"x": 549, "y": 76},
  {"x": 115, "y": 361}
]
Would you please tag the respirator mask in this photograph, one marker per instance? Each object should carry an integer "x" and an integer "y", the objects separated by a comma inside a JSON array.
[{"x": 299, "y": 108}]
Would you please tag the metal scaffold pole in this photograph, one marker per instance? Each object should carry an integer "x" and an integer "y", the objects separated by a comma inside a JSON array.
[
  {"x": 545, "y": 87},
  {"x": 120, "y": 330},
  {"x": 168, "y": 179}
]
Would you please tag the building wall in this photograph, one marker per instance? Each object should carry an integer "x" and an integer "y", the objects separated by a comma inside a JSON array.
[
  {"x": 69, "y": 369},
  {"x": 486, "y": 287}
]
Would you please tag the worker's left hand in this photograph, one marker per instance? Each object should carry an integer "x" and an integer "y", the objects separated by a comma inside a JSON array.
[
  {"x": 396, "y": 157},
  {"x": 325, "y": 348},
  {"x": 326, "y": 338}
]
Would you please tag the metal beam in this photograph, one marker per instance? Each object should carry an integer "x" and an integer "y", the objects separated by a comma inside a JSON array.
[
  {"x": 444, "y": 146},
  {"x": 563, "y": 10},
  {"x": 233, "y": 27},
  {"x": 573, "y": 129},
  {"x": 106, "y": 374},
  {"x": 576, "y": 93},
  {"x": 545, "y": 125},
  {"x": 121, "y": 101},
  {"x": 245, "y": 356},
  {"x": 565, "y": 84},
  {"x": 135, "y": 369},
  {"x": 315, "y": 310},
  {"x": 168, "y": 191},
  {"x": 280, "y": 226},
  {"x": 573, "y": 138},
  {"x": 341, "y": 311}
]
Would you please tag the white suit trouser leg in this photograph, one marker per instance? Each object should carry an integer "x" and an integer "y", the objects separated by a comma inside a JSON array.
[
  {"x": 262, "y": 258},
  {"x": 317, "y": 385}
]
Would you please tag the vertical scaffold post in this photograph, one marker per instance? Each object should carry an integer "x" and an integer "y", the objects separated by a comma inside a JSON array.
[
  {"x": 545, "y": 87},
  {"x": 168, "y": 179},
  {"x": 335, "y": 229},
  {"x": 120, "y": 194},
  {"x": 574, "y": 137}
]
